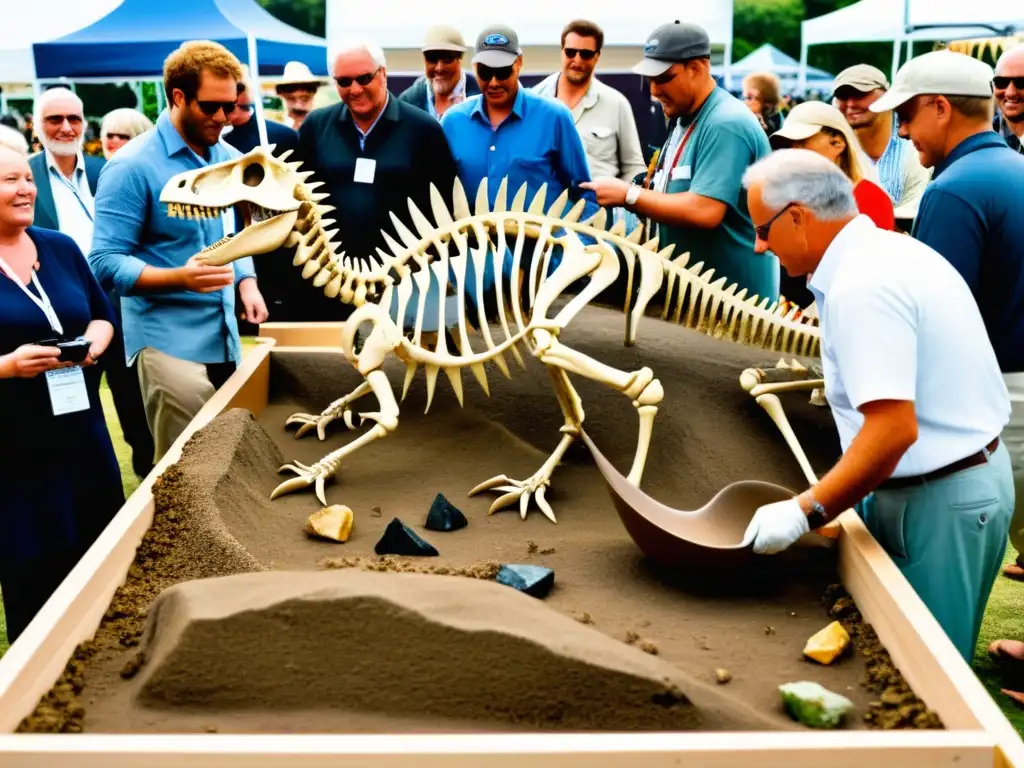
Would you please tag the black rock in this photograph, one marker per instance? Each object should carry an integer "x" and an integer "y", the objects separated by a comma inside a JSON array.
[
  {"x": 534, "y": 580},
  {"x": 444, "y": 517},
  {"x": 400, "y": 539}
]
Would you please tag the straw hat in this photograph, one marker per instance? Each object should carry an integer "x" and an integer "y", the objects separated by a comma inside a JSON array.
[{"x": 297, "y": 73}]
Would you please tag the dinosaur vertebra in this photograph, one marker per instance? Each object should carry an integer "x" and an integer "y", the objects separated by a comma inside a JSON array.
[{"x": 425, "y": 262}]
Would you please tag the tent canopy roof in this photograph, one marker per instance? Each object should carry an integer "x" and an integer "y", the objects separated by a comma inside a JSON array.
[
  {"x": 134, "y": 39},
  {"x": 883, "y": 20},
  {"x": 768, "y": 58}
]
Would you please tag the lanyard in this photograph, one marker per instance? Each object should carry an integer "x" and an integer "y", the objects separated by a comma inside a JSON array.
[
  {"x": 679, "y": 151},
  {"x": 74, "y": 190},
  {"x": 42, "y": 300}
]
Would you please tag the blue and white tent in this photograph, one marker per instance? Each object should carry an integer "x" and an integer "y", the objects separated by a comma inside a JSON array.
[{"x": 768, "y": 58}]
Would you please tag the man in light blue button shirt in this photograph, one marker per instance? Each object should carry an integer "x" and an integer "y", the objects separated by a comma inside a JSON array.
[{"x": 179, "y": 317}]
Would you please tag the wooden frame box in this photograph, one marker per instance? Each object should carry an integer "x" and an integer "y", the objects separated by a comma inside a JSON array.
[{"x": 977, "y": 734}]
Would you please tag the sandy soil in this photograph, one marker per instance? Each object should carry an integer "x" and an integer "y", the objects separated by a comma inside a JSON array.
[{"x": 708, "y": 433}]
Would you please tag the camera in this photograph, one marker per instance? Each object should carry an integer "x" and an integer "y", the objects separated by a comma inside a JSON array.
[{"x": 71, "y": 350}]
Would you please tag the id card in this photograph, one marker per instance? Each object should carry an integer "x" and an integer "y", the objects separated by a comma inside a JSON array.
[
  {"x": 681, "y": 172},
  {"x": 67, "y": 390},
  {"x": 366, "y": 169}
]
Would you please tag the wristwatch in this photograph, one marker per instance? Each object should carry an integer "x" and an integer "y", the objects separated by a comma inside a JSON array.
[
  {"x": 817, "y": 517},
  {"x": 633, "y": 194}
]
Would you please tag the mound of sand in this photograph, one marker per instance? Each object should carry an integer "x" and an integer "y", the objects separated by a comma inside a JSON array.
[{"x": 410, "y": 644}]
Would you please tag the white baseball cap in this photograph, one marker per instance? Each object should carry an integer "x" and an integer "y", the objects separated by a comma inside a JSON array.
[
  {"x": 806, "y": 119},
  {"x": 937, "y": 73}
]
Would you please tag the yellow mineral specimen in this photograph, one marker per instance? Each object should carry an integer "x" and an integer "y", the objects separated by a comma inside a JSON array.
[
  {"x": 826, "y": 645},
  {"x": 334, "y": 522}
]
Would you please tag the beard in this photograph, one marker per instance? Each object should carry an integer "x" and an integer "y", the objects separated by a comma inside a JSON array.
[
  {"x": 63, "y": 148},
  {"x": 194, "y": 134},
  {"x": 441, "y": 86}
]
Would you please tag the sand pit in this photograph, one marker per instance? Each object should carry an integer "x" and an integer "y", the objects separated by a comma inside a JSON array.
[{"x": 752, "y": 621}]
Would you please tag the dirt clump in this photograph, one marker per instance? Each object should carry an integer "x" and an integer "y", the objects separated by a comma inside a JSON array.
[{"x": 897, "y": 706}]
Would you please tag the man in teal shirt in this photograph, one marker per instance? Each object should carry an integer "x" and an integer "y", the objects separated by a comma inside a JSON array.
[{"x": 695, "y": 196}]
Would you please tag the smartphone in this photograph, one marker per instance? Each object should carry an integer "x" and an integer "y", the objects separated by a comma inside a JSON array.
[{"x": 74, "y": 351}]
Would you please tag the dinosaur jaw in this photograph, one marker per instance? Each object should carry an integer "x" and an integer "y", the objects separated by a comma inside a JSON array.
[{"x": 263, "y": 231}]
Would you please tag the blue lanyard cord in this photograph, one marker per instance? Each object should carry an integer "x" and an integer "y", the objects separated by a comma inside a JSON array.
[{"x": 74, "y": 190}]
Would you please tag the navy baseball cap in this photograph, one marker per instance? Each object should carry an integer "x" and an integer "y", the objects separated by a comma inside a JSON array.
[{"x": 670, "y": 44}]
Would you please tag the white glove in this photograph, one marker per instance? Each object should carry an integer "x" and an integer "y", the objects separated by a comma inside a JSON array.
[{"x": 776, "y": 527}]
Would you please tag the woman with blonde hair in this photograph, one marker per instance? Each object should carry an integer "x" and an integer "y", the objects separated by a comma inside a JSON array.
[
  {"x": 762, "y": 93},
  {"x": 121, "y": 126},
  {"x": 821, "y": 128}
]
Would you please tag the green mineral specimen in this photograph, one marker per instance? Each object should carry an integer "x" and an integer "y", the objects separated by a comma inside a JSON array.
[{"x": 814, "y": 705}]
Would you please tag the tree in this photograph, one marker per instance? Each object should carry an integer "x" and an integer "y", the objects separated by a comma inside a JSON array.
[{"x": 308, "y": 15}]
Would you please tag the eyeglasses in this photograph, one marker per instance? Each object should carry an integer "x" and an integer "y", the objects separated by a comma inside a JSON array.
[
  {"x": 1002, "y": 83},
  {"x": 210, "y": 108},
  {"x": 448, "y": 57},
  {"x": 765, "y": 229},
  {"x": 584, "y": 53},
  {"x": 363, "y": 80},
  {"x": 58, "y": 120},
  {"x": 487, "y": 74},
  {"x": 121, "y": 136}
]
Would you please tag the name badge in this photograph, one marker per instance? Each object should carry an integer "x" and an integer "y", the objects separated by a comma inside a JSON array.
[
  {"x": 67, "y": 390},
  {"x": 681, "y": 172},
  {"x": 366, "y": 169}
]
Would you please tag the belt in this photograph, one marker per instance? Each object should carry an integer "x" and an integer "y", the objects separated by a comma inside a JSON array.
[{"x": 974, "y": 460}]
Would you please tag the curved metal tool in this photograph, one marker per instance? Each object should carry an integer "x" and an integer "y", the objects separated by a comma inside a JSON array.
[{"x": 710, "y": 536}]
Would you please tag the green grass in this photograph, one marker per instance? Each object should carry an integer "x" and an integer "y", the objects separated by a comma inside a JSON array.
[{"x": 1002, "y": 618}]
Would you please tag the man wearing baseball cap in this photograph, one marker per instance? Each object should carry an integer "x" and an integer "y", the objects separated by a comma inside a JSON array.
[
  {"x": 695, "y": 194},
  {"x": 900, "y": 172},
  {"x": 445, "y": 83},
  {"x": 971, "y": 211}
]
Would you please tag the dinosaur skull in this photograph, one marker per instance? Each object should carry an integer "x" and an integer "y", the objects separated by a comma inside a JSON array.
[{"x": 257, "y": 185}]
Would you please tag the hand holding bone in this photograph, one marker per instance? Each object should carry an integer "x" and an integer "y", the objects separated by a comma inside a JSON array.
[{"x": 776, "y": 527}]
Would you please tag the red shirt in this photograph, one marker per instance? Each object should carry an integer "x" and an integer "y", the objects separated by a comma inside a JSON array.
[{"x": 873, "y": 202}]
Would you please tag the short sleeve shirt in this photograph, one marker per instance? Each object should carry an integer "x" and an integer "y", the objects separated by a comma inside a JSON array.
[{"x": 725, "y": 141}]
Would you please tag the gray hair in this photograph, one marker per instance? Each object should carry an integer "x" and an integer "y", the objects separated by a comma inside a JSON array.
[
  {"x": 13, "y": 139},
  {"x": 52, "y": 94},
  {"x": 352, "y": 45},
  {"x": 805, "y": 177}
]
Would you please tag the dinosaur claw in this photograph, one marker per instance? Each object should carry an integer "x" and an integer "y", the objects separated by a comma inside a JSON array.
[
  {"x": 542, "y": 503},
  {"x": 320, "y": 490},
  {"x": 305, "y": 429},
  {"x": 488, "y": 485},
  {"x": 503, "y": 501},
  {"x": 294, "y": 484}
]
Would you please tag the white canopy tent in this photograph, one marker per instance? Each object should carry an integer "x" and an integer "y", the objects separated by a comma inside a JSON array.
[
  {"x": 34, "y": 21},
  {"x": 904, "y": 22},
  {"x": 399, "y": 25},
  {"x": 768, "y": 58}
]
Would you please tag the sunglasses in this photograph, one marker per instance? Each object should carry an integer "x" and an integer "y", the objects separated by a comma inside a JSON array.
[
  {"x": 584, "y": 53},
  {"x": 765, "y": 229},
  {"x": 664, "y": 78},
  {"x": 1002, "y": 83},
  {"x": 363, "y": 80},
  {"x": 121, "y": 136},
  {"x": 487, "y": 74},
  {"x": 448, "y": 57},
  {"x": 211, "y": 108},
  {"x": 57, "y": 120}
]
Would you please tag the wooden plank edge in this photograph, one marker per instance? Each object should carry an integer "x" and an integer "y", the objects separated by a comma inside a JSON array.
[
  {"x": 919, "y": 647},
  {"x": 71, "y": 615},
  {"x": 791, "y": 749},
  {"x": 314, "y": 334}
]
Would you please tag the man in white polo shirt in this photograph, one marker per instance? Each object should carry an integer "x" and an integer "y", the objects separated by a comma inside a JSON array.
[{"x": 914, "y": 387}]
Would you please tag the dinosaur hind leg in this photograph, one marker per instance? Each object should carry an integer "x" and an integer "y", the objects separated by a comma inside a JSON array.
[
  {"x": 639, "y": 386},
  {"x": 318, "y": 474},
  {"x": 537, "y": 484},
  {"x": 339, "y": 408}
]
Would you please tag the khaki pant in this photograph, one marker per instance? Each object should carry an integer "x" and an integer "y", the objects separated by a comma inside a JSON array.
[
  {"x": 173, "y": 390},
  {"x": 1013, "y": 436}
]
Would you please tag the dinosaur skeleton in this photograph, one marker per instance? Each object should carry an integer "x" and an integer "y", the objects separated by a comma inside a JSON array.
[{"x": 448, "y": 258}]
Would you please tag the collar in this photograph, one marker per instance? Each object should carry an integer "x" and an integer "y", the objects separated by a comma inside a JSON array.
[
  {"x": 479, "y": 110},
  {"x": 51, "y": 162},
  {"x": 389, "y": 112},
  {"x": 971, "y": 144},
  {"x": 549, "y": 87},
  {"x": 848, "y": 237},
  {"x": 172, "y": 140}
]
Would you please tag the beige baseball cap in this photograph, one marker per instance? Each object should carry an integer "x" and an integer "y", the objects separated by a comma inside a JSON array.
[
  {"x": 805, "y": 120},
  {"x": 444, "y": 38},
  {"x": 937, "y": 73},
  {"x": 863, "y": 77}
]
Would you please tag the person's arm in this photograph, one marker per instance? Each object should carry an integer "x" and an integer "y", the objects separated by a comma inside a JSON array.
[
  {"x": 950, "y": 225},
  {"x": 915, "y": 179},
  {"x": 573, "y": 166},
  {"x": 631, "y": 156},
  {"x": 100, "y": 330}
]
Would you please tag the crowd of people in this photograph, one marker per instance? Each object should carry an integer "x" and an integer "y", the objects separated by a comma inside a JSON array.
[{"x": 890, "y": 208}]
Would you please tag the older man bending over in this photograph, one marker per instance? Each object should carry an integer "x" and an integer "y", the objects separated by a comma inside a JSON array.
[{"x": 920, "y": 438}]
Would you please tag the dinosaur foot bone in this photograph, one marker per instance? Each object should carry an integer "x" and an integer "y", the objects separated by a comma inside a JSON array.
[
  {"x": 340, "y": 408},
  {"x": 314, "y": 474},
  {"x": 534, "y": 487}
]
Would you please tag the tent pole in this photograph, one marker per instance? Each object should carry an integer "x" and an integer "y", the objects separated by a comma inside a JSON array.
[
  {"x": 257, "y": 96},
  {"x": 895, "y": 58},
  {"x": 802, "y": 77},
  {"x": 728, "y": 65}
]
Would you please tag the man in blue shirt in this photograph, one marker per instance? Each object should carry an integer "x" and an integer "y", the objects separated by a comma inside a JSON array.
[
  {"x": 971, "y": 214},
  {"x": 509, "y": 131},
  {"x": 179, "y": 317}
]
